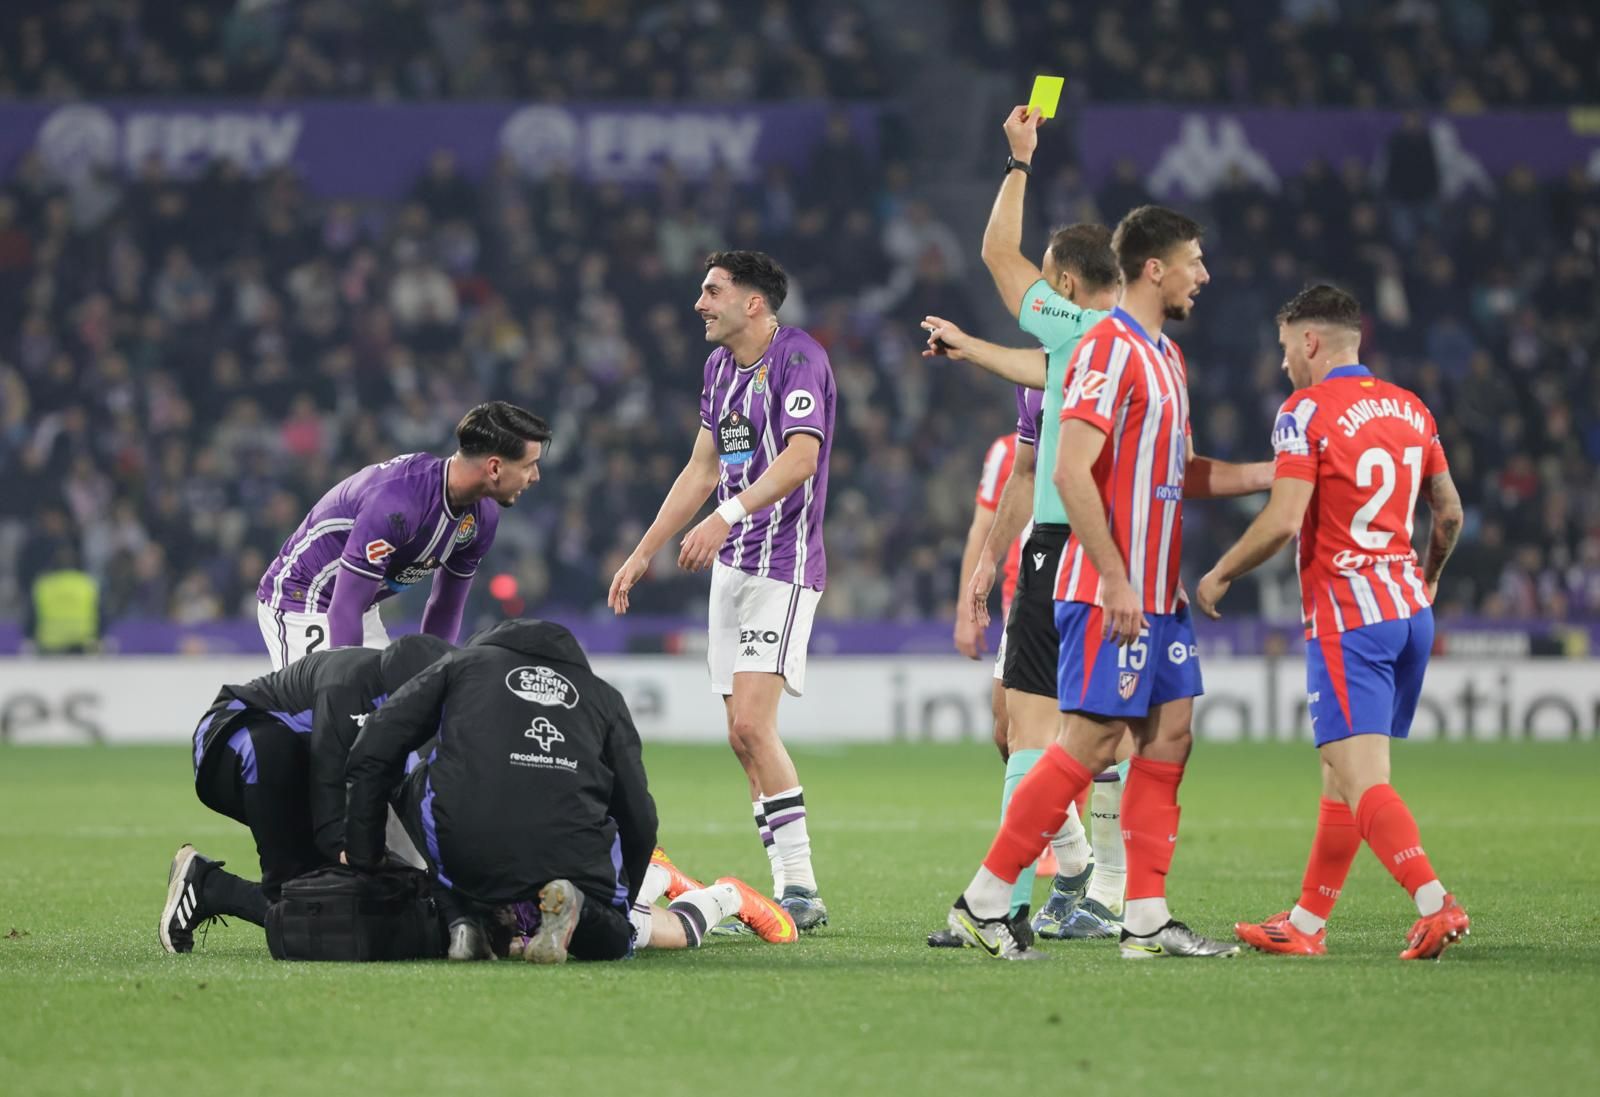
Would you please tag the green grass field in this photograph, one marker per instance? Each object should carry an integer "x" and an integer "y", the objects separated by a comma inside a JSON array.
[{"x": 91, "y": 1004}]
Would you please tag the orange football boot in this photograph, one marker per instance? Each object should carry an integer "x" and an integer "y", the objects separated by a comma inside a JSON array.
[
  {"x": 763, "y": 914},
  {"x": 678, "y": 881},
  {"x": 1278, "y": 934},
  {"x": 1435, "y": 932}
]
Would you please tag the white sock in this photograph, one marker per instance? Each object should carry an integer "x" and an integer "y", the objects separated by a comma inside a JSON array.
[
  {"x": 1071, "y": 845},
  {"x": 642, "y": 917},
  {"x": 1304, "y": 921},
  {"x": 1110, "y": 860},
  {"x": 700, "y": 910},
  {"x": 1142, "y": 917},
  {"x": 655, "y": 884},
  {"x": 786, "y": 816},
  {"x": 774, "y": 857},
  {"x": 1429, "y": 898},
  {"x": 988, "y": 896}
]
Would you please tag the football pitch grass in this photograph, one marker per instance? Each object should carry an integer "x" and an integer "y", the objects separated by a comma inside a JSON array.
[{"x": 91, "y": 1004}]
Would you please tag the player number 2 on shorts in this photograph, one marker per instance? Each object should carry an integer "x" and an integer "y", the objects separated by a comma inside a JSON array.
[{"x": 1378, "y": 460}]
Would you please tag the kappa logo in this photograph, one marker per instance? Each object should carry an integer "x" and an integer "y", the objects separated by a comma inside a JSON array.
[
  {"x": 1205, "y": 154},
  {"x": 542, "y": 686},
  {"x": 799, "y": 403},
  {"x": 544, "y": 733},
  {"x": 1127, "y": 682},
  {"x": 1038, "y": 561},
  {"x": 378, "y": 551},
  {"x": 749, "y": 652}
]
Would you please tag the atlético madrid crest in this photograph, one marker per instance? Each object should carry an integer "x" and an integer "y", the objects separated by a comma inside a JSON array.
[{"x": 1127, "y": 682}]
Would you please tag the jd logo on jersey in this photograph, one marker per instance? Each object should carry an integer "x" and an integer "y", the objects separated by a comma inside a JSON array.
[{"x": 799, "y": 404}]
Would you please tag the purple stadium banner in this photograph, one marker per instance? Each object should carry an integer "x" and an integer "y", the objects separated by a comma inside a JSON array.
[
  {"x": 1188, "y": 153},
  {"x": 379, "y": 150}
]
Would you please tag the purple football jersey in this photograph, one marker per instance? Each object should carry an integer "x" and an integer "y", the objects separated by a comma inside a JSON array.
[
  {"x": 750, "y": 412},
  {"x": 388, "y": 521},
  {"x": 1030, "y": 406}
]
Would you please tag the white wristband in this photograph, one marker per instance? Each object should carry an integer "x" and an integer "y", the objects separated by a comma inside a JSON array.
[{"x": 732, "y": 511}]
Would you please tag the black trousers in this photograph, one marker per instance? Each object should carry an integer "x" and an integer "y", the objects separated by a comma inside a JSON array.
[
  {"x": 603, "y": 931},
  {"x": 262, "y": 778}
]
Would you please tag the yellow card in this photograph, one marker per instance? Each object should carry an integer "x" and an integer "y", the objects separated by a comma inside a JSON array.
[{"x": 1046, "y": 95}]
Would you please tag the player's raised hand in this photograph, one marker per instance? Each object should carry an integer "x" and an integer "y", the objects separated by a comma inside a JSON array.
[
  {"x": 945, "y": 339},
  {"x": 700, "y": 548},
  {"x": 631, "y": 571},
  {"x": 1211, "y": 590},
  {"x": 977, "y": 607},
  {"x": 1022, "y": 132},
  {"x": 1124, "y": 612}
]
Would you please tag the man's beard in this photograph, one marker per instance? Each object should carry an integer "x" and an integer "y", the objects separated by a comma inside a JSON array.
[{"x": 1178, "y": 312}]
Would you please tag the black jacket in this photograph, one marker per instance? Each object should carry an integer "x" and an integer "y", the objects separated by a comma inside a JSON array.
[
  {"x": 536, "y": 774},
  {"x": 327, "y": 696}
]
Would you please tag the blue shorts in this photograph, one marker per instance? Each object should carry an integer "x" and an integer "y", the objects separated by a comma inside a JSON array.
[
  {"x": 1100, "y": 678},
  {"x": 1367, "y": 681}
]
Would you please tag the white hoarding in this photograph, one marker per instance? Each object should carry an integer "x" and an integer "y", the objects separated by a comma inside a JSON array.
[{"x": 861, "y": 699}]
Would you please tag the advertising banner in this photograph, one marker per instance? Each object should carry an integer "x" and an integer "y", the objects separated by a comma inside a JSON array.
[{"x": 860, "y": 699}]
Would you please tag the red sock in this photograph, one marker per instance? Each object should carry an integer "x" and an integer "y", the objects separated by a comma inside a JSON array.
[
  {"x": 1332, "y": 851},
  {"x": 1037, "y": 810},
  {"x": 1388, "y": 827},
  {"x": 1150, "y": 825}
]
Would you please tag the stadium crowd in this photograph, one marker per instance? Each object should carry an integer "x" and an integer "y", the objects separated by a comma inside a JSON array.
[
  {"x": 185, "y": 365},
  {"x": 437, "y": 49}
]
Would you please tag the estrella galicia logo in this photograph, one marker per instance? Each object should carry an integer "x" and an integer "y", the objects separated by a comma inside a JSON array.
[
  {"x": 736, "y": 438},
  {"x": 542, "y": 686},
  {"x": 544, "y": 733}
]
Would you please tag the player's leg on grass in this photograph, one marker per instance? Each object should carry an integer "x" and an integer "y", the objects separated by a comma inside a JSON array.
[
  {"x": 1301, "y": 930},
  {"x": 1374, "y": 678},
  {"x": 1002, "y": 721},
  {"x": 753, "y": 734},
  {"x": 1103, "y": 902},
  {"x": 1150, "y": 815}
]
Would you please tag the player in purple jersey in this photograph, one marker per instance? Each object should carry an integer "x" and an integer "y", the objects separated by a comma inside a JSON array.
[
  {"x": 389, "y": 526},
  {"x": 766, "y": 428}
]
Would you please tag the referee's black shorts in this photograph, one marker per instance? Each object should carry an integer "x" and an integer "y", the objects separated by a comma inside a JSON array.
[{"x": 1033, "y": 646}]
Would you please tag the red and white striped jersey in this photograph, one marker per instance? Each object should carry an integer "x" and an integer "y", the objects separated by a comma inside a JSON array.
[
  {"x": 997, "y": 465},
  {"x": 1136, "y": 390},
  {"x": 1367, "y": 446}
]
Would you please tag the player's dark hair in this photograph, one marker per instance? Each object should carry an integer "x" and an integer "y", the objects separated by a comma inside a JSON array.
[
  {"x": 1085, "y": 250},
  {"x": 1150, "y": 232},
  {"x": 1322, "y": 304},
  {"x": 754, "y": 270},
  {"x": 409, "y": 656},
  {"x": 499, "y": 429}
]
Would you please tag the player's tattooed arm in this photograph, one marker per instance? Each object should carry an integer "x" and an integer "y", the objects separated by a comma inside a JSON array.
[
  {"x": 1273, "y": 528},
  {"x": 688, "y": 492},
  {"x": 1012, "y": 271},
  {"x": 1010, "y": 516},
  {"x": 1445, "y": 503},
  {"x": 1079, "y": 449},
  {"x": 1023, "y": 366}
]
